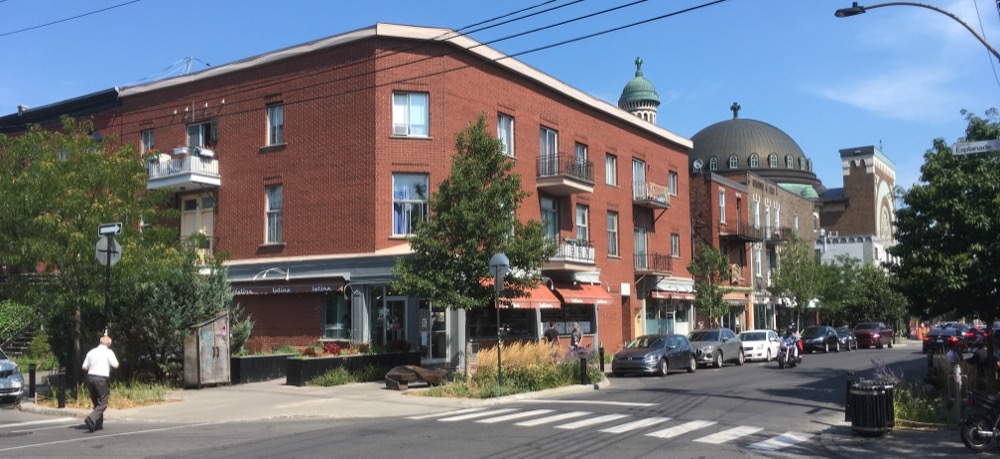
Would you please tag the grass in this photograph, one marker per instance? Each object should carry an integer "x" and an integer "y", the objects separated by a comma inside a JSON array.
[
  {"x": 124, "y": 395},
  {"x": 340, "y": 376}
]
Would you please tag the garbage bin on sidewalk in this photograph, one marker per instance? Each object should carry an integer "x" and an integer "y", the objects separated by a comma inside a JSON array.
[{"x": 871, "y": 408}]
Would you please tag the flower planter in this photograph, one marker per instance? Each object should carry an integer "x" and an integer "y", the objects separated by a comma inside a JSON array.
[
  {"x": 303, "y": 369},
  {"x": 255, "y": 368}
]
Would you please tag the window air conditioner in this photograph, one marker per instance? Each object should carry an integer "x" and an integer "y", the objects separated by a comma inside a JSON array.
[{"x": 400, "y": 129}]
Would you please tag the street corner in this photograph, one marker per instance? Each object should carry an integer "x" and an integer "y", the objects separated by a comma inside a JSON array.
[{"x": 842, "y": 441}]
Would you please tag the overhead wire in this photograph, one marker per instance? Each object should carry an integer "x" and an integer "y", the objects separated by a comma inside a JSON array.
[
  {"x": 982, "y": 31},
  {"x": 4, "y": 34}
]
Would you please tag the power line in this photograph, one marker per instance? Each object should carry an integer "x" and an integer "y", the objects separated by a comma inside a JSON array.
[
  {"x": 66, "y": 19},
  {"x": 982, "y": 31}
]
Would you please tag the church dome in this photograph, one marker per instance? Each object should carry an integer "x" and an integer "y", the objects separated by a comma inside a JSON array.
[{"x": 638, "y": 89}]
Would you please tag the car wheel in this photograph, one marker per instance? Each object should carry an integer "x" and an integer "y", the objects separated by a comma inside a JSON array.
[
  {"x": 890, "y": 344},
  {"x": 718, "y": 360},
  {"x": 826, "y": 348},
  {"x": 849, "y": 348},
  {"x": 662, "y": 369},
  {"x": 836, "y": 347},
  {"x": 693, "y": 365},
  {"x": 740, "y": 358},
  {"x": 768, "y": 356}
]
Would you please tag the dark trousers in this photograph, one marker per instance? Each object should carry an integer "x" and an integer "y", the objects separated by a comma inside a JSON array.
[{"x": 100, "y": 391}]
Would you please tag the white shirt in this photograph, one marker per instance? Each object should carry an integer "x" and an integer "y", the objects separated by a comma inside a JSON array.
[{"x": 99, "y": 361}]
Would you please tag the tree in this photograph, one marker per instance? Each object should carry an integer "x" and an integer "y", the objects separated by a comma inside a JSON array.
[
  {"x": 473, "y": 215},
  {"x": 709, "y": 267},
  {"x": 947, "y": 252},
  {"x": 874, "y": 298},
  {"x": 837, "y": 280},
  {"x": 798, "y": 278}
]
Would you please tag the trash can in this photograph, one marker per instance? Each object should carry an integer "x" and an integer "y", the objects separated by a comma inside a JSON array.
[{"x": 871, "y": 407}]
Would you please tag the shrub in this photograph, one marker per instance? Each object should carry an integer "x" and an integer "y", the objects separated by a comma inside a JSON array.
[
  {"x": 336, "y": 377},
  {"x": 284, "y": 349},
  {"x": 331, "y": 349}
]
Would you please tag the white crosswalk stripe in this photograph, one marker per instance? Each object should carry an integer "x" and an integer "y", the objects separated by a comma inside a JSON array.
[
  {"x": 682, "y": 429},
  {"x": 781, "y": 441},
  {"x": 729, "y": 434},
  {"x": 511, "y": 417},
  {"x": 634, "y": 425},
  {"x": 446, "y": 413},
  {"x": 552, "y": 419},
  {"x": 480, "y": 414},
  {"x": 42, "y": 421},
  {"x": 592, "y": 421}
]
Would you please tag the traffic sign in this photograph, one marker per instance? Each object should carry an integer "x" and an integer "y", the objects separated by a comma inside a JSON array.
[
  {"x": 109, "y": 228},
  {"x": 982, "y": 146},
  {"x": 108, "y": 251}
]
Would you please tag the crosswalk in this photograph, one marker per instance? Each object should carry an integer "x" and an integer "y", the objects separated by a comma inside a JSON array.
[{"x": 660, "y": 427}]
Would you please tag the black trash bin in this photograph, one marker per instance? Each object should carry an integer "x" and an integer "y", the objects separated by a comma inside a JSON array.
[{"x": 871, "y": 407}]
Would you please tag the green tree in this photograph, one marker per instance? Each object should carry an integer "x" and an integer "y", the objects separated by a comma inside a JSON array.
[
  {"x": 709, "y": 268},
  {"x": 873, "y": 297},
  {"x": 947, "y": 252},
  {"x": 473, "y": 215},
  {"x": 798, "y": 278},
  {"x": 836, "y": 281}
]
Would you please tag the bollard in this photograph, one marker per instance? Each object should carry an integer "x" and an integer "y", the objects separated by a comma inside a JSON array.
[
  {"x": 61, "y": 396},
  {"x": 957, "y": 373},
  {"x": 583, "y": 370},
  {"x": 848, "y": 409},
  {"x": 600, "y": 351},
  {"x": 31, "y": 380}
]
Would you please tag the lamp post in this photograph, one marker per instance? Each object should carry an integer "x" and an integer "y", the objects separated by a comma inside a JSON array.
[
  {"x": 499, "y": 265},
  {"x": 856, "y": 9}
]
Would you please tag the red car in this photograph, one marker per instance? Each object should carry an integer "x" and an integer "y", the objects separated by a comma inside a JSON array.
[{"x": 873, "y": 334}]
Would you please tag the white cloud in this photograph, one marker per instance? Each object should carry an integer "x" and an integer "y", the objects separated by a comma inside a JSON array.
[{"x": 914, "y": 94}]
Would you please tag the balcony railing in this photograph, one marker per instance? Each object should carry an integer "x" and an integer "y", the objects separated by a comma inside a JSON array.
[
  {"x": 740, "y": 230},
  {"x": 653, "y": 262},
  {"x": 572, "y": 255},
  {"x": 565, "y": 174},
  {"x": 182, "y": 172},
  {"x": 781, "y": 234},
  {"x": 651, "y": 195}
]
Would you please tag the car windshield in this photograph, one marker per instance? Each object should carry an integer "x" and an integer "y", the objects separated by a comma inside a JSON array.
[
  {"x": 866, "y": 327},
  {"x": 646, "y": 342},
  {"x": 711, "y": 335},
  {"x": 811, "y": 332},
  {"x": 843, "y": 331},
  {"x": 753, "y": 336}
]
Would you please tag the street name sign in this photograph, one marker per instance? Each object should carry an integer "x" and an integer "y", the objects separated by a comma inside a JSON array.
[{"x": 982, "y": 146}]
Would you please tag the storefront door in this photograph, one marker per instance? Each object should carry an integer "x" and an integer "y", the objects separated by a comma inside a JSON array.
[
  {"x": 395, "y": 319},
  {"x": 659, "y": 317},
  {"x": 433, "y": 332}
]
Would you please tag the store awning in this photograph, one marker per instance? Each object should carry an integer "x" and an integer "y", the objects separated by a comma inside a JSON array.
[
  {"x": 538, "y": 298},
  {"x": 665, "y": 295},
  {"x": 280, "y": 287},
  {"x": 576, "y": 293}
]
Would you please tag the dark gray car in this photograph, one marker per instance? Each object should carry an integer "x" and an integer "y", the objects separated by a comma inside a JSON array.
[
  {"x": 655, "y": 354},
  {"x": 716, "y": 346}
]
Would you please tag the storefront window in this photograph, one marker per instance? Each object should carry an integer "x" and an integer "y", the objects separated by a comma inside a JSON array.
[
  {"x": 337, "y": 317},
  {"x": 565, "y": 316}
]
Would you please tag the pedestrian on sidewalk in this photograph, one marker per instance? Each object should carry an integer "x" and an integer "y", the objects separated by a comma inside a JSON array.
[
  {"x": 575, "y": 337},
  {"x": 98, "y": 364},
  {"x": 551, "y": 334}
]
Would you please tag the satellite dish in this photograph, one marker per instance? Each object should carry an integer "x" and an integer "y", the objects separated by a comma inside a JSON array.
[{"x": 697, "y": 165}]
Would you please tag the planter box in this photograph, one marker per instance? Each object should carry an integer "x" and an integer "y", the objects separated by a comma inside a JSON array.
[
  {"x": 303, "y": 369},
  {"x": 255, "y": 368}
]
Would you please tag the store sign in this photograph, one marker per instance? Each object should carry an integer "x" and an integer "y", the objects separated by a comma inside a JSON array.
[{"x": 284, "y": 289}]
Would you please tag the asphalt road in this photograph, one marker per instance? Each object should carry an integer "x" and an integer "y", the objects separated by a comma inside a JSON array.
[{"x": 755, "y": 410}]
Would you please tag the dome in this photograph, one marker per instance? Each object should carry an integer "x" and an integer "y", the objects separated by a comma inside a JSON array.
[
  {"x": 757, "y": 147},
  {"x": 639, "y": 89}
]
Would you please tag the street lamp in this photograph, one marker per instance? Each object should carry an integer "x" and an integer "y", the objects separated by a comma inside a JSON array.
[
  {"x": 856, "y": 9},
  {"x": 499, "y": 265}
]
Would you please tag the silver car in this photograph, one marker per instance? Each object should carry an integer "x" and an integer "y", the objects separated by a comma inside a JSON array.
[
  {"x": 11, "y": 381},
  {"x": 716, "y": 346},
  {"x": 655, "y": 354}
]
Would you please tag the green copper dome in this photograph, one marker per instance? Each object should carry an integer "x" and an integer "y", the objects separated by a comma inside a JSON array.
[{"x": 639, "y": 88}]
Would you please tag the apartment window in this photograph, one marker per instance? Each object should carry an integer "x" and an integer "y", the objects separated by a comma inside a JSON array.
[
  {"x": 756, "y": 214},
  {"x": 777, "y": 218},
  {"x": 758, "y": 263},
  {"x": 275, "y": 124},
  {"x": 612, "y": 234},
  {"x": 147, "y": 141},
  {"x": 582, "y": 222},
  {"x": 410, "y": 114},
  {"x": 789, "y": 161},
  {"x": 672, "y": 183},
  {"x": 767, "y": 220},
  {"x": 201, "y": 134},
  {"x": 505, "y": 133},
  {"x": 274, "y": 207},
  {"x": 772, "y": 161},
  {"x": 722, "y": 206},
  {"x": 675, "y": 245},
  {"x": 713, "y": 163},
  {"x": 611, "y": 169},
  {"x": 409, "y": 202},
  {"x": 550, "y": 217},
  {"x": 733, "y": 162},
  {"x": 548, "y": 143},
  {"x": 754, "y": 161}
]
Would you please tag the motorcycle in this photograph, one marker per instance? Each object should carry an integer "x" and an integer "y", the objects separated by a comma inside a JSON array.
[
  {"x": 979, "y": 428},
  {"x": 785, "y": 358}
]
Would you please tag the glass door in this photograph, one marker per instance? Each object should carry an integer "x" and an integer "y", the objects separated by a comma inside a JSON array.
[
  {"x": 395, "y": 319},
  {"x": 433, "y": 331},
  {"x": 640, "y": 249}
]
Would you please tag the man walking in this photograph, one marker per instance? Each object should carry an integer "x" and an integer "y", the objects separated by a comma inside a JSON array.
[
  {"x": 551, "y": 334},
  {"x": 575, "y": 337},
  {"x": 98, "y": 364}
]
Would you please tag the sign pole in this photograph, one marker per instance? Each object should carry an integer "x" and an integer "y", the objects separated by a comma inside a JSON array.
[{"x": 107, "y": 272}]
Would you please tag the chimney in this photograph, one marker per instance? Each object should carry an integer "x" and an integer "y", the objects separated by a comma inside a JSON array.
[{"x": 21, "y": 109}]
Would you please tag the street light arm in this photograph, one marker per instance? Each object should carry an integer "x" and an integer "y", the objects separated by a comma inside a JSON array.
[{"x": 858, "y": 9}]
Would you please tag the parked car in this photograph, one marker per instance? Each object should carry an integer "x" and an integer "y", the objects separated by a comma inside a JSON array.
[
  {"x": 819, "y": 338},
  {"x": 760, "y": 344},
  {"x": 942, "y": 339},
  {"x": 655, "y": 354},
  {"x": 873, "y": 334},
  {"x": 11, "y": 381},
  {"x": 846, "y": 338},
  {"x": 716, "y": 346},
  {"x": 975, "y": 335}
]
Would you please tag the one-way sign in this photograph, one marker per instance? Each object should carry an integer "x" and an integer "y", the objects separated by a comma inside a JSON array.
[{"x": 109, "y": 228}]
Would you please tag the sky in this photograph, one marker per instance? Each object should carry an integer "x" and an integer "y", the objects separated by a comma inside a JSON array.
[{"x": 896, "y": 76}]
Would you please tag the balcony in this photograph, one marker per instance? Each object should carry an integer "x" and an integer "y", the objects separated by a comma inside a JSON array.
[
  {"x": 572, "y": 255},
  {"x": 650, "y": 195},
  {"x": 564, "y": 175},
  {"x": 653, "y": 263},
  {"x": 777, "y": 235},
  {"x": 740, "y": 231},
  {"x": 184, "y": 172}
]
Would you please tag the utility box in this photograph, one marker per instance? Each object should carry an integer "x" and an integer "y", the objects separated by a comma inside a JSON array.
[{"x": 206, "y": 353}]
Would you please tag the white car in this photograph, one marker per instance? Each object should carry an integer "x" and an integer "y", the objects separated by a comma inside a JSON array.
[
  {"x": 11, "y": 381},
  {"x": 760, "y": 344}
]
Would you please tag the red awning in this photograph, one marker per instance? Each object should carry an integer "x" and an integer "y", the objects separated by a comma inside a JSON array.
[
  {"x": 539, "y": 297},
  {"x": 665, "y": 295},
  {"x": 574, "y": 293}
]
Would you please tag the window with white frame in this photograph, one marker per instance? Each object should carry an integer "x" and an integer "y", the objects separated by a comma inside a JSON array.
[
  {"x": 148, "y": 141},
  {"x": 611, "y": 169},
  {"x": 789, "y": 161},
  {"x": 767, "y": 220},
  {"x": 802, "y": 163},
  {"x": 582, "y": 223},
  {"x": 734, "y": 162},
  {"x": 777, "y": 218},
  {"x": 550, "y": 217},
  {"x": 758, "y": 261},
  {"x": 722, "y": 205},
  {"x": 675, "y": 245},
  {"x": 754, "y": 161},
  {"x": 409, "y": 202},
  {"x": 548, "y": 142},
  {"x": 580, "y": 153},
  {"x": 275, "y": 124},
  {"x": 756, "y": 214},
  {"x": 672, "y": 179},
  {"x": 772, "y": 160},
  {"x": 410, "y": 114},
  {"x": 713, "y": 163},
  {"x": 612, "y": 234},
  {"x": 273, "y": 194},
  {"x": 201, "y": 134},
  {"x": 505, "y": 133}
]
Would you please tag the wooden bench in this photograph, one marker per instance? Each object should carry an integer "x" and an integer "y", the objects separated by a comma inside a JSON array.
[{"x": 399, "y": 378}]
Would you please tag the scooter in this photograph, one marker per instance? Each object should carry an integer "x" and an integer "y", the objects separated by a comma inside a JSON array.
[
  {"x": 785, "y": 357},
  {"x": 980, "y": 427}
]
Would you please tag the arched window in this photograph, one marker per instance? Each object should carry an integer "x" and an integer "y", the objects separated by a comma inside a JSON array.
[
  {"x": 772, "y": 161},
  {"x": 713, "y": 163},
  {"x": 733, "y": 162},
  {"x": 809, "y": 164},
  {"x": 788, "y": 162},
  {"x": 802, "y": 163},
  {"x": 754, "y": 161}
]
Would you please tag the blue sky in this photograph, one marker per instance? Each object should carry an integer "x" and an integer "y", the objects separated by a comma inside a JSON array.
[{"x": 896, "y": 76}]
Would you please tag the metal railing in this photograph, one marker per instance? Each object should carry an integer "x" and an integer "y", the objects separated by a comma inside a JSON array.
[
  {"x": 566, "y": 165},
  {"x": 182, "y": 165},
  {"x": 653, "y": 262},
  {"x": 741, "y": 230},
  {"x": 650, "y": 192},
  {"x": 574, "y": 250}
]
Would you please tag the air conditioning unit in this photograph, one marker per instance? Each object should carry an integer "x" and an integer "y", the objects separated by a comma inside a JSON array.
[
  {"x": 204, "y": 152},
  {"x": 181, "y": 150},
  {"x": 400, "y": 129}
]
